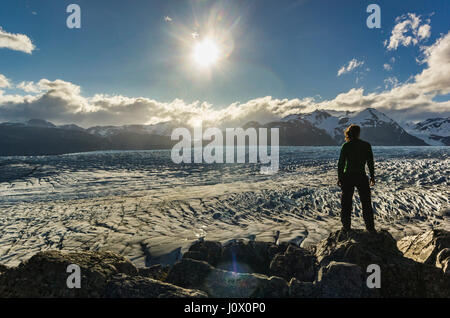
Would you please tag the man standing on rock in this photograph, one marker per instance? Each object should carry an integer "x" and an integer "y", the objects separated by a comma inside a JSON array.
[{"x": 355, "y": 153}]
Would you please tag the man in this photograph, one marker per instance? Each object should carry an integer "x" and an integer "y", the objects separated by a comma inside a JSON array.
[{"x": 355, "y": 153}]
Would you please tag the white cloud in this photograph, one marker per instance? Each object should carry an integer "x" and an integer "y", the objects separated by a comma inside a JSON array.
[
  {"x": 4, "y": 81},
  {"x": 436, "y": 77},
  {"x": 387, "y": 67},
  {"x": 29, "y": 87},
  {"x": 354, "y": 63},
  {"x": 409, "y": 30},
  {"x": 17, "y": 42},
  {"x": 424, "y": 32}
]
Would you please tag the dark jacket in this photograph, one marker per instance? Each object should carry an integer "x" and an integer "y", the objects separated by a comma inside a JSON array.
[{"x": 354, "y": 156}]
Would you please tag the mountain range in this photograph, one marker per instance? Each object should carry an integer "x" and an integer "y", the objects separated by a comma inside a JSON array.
[{"x": 319, "y": 128}]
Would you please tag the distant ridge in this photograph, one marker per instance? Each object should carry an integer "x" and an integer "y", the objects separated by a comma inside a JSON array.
[{"x": 318, "y": 128}]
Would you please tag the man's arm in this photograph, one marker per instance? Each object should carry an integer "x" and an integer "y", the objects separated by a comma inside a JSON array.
[
  {"x": 341, "y": 164},
  {"x": 370, "y": 164}
]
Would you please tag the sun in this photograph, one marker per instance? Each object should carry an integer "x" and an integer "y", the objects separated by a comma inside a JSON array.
[{"x": 206, "y": 53}]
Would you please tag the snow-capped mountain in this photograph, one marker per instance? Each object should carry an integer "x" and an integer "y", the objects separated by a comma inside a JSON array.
[
  {"x": 434, "y": 131},
  {"x": 377, "y": 128}
]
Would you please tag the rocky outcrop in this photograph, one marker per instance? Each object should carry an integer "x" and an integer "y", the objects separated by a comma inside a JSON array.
[
  {"x": 337, "y": 267},
  {"x": 45, "y": 275}
]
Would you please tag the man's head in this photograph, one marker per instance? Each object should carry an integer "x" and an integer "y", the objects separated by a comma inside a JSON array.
[{"x": 352, "y": 132}]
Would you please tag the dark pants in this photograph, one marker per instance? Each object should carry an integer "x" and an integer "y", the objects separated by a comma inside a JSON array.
[{"x": 361, "y": 182}]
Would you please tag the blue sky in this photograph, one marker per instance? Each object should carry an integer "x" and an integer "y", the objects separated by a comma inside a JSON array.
[{"x": 283, "y": 49}]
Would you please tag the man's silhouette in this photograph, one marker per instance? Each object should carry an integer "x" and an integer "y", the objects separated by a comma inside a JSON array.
[{"x": 355, "y": 153}]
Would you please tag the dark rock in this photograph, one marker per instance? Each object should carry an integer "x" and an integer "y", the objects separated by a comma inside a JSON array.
[
  {"x": 341, "y": 280},
  {"x": 122, "y": 286},
  {"x": 295, "y": 262},
  {"x": 158, "y": 272},
  {"x": 189, "y": 273},
  {"x": 193, "y": 274},
  {"x": 208, "y": 251},
  {"x": 425, "y": 247},
  {"x": 298, "y": 289},
  {"x": 45, "y": 274}
]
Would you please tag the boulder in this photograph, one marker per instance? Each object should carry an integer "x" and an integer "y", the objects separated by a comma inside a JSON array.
[
  {"x": 425, "y": 247},
  {"x": 341, "y": 280},
  {"x": 189, "y": 273},
  {"x": 123, "y": 286},
  {"x": 194, "y": 274},
  {"x": 294, "y": 262},
  {"x": 299, "y": 289},
  {"x": 208, "y": 251}
]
